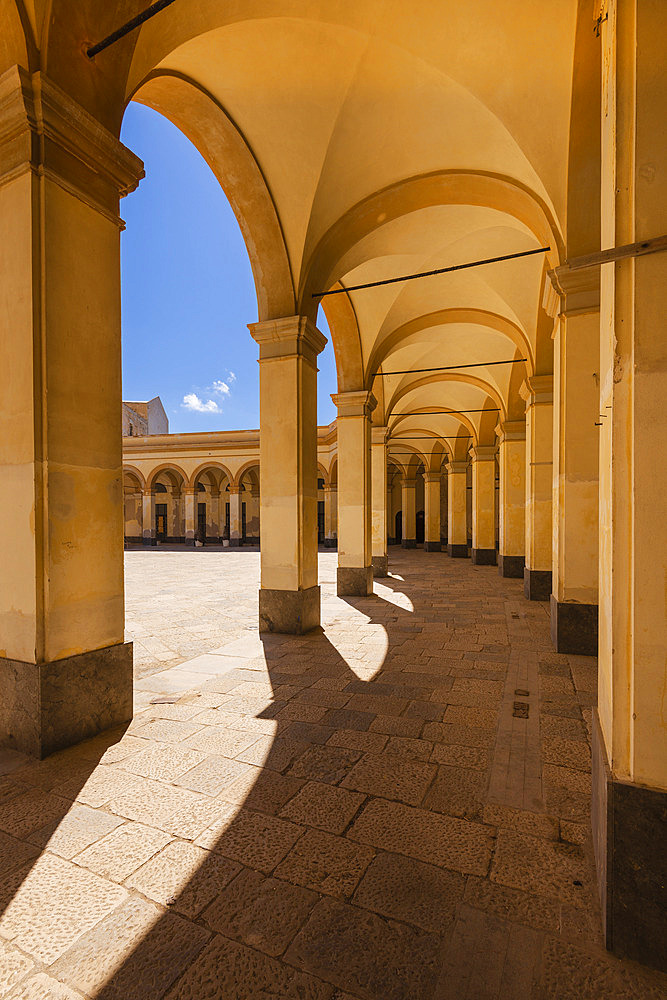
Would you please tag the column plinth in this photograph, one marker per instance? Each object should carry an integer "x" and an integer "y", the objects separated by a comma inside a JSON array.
[{"x": 457, "y": 537}]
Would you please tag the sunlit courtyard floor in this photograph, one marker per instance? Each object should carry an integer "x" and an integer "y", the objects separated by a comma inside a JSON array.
[{"x": 395, "y": 808}]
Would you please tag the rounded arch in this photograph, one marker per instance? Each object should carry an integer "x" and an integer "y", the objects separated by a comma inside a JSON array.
[
  {"x": 204, "y": 467},
  {"x": 346, "y": 339},
  {"x": 247, "y": 469},
  {"x": 436, "y": 377},
  {"x": 130, "y": 470},
  {"x": 463, "y": 419},
  {"x": 476, "y": 317},
  {"x": 322, "y": 473},
  {"x": 333, "y": 471},
  {"x": 206, "y": 124},
  {"x": 456, "y": 187},
  {"x": 174, "y": 472}
]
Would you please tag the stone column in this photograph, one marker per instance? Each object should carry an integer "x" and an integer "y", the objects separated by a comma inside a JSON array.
[
  {"x": 214, "y": 517},
  {"x": 252, "y": 517},
  {"x": 391, "y": 523},
  {"x": 574, "y": 596},
  {"x": 353, "y": 427},
  {"x": 408, "y": 521},
  {"x": 432, "y": 481},
  {"x": 236, "y": 495},
  {"x": 289, "y": 597},
  {"x": 483, "y": 505},
  {"x": 457, "y": 538},
  {"x": 379, "y": 500},
  {"x": 330, "y": 509},
  {"x": 511, "y": 498},
  {"x": 176, "y": 518},
  {"x": 630, "y": 726},
  {"x": 189, "y": 497},
  {"x": 537, "y": 391},
  {"x": 148, "y": 518},
  {"x": 65, "y": 670}
]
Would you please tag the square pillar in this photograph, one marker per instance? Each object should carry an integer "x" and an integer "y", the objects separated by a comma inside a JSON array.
[
  {"x": 189, "y": 499},
  {"x": 537, "y": 392},
  {"x": 457, "y": 534},
  {"x": 289, "y": 597},
  {"x": 408, "y": 522},
  {"x": 176, "y": 518},
  {"x": 236, "y": 494},
  {"x": 252, "y": 519},
  {"x": 483, "y": 505},
  {"x": 511, "y": 498},
  {"x": 574, "y": 580},
  {"x": 213, "y": 527},
  {"x": 379, "y": 500},
  {"x": 148, "y": 518},
  {"x": 630, "y": 732},
  {"x": 330, "y": 514},
  {"x": 65, "y": 670},
  {"x": 432, "y": 482},
  {"x": 355, "y": 573}
]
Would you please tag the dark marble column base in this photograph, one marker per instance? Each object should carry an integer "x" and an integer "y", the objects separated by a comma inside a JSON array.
[
  {"x": 432, "y": 547},
  {"x": 380, "y": 565},
  {"x": 330, "y": 543},
  {"x": 235, "y": 543},
  {"x": 483, "y": 557},
  {"x": 290, "y": 611},
  {"x": 409, "y": 543},
  {"x": 536, "y": 584},
  {"x": 392, "y": 541},
  {"x": 511, "y": 567},
  {"x": 457, "y": 551},
  {"x": 46, "y": 707},
  {"x": 574, "y": 627},
  {"x": 190, "y": 542},
  {"x": 146, "y": 540},
  {"x": 629, "y": 834},
  {"x": 354, "y": 581}
]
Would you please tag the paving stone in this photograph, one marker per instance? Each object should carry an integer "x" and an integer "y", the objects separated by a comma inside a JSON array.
[
  {"x": 265, "y": 791},
  {"x": 308, "y": 732},
  {"x": 514, "y": 905},
  {"x": 42, "y": 987},
  {"x": 14, "y": 966},
  {"x": 184, "y": 877},
  {"x": 392, "y": 777},
  {"x": 221, "y": 741},
  {"x": 355, "y": 740},
  {"x": 457, "y": 756},
  {"x": 49, "y": 905},
  {"x": 568, "y": 973},
  {"x": 152, "y": 802},
  {"x": 543, "y": 867},
  {"x": 458, "y": 735},
  {"x": 324, "y": 806},
  {"x": 122, "y": 851},
  {"x": 214, "y": 774},
  {"x": 566, "y": 753},
  {"x": 537, "y": 824},
  {"x": 404, "y": 746},
  {"x": 163, "y": 762},
  {"x": 397, "y": 726},
  {"x": 383, "y": 960},
  {"x": 151, "y": 949},
  {"x": 260, "y": 911},
  {"x": 345, "y": 718},
  {"x": 23, "y": 814},
  {"x": 14, "y": 853},
  {"x": 441, "y": 840},
  {"x": 326, "y": 863},
  {"x": 167, "y": 730},
  {"x": 229, "y": 970},
  {"x": 78, "y": 829},
  {"x": 328, "y": 763},
  {"x": 253, "y": 838},
  {"x": 457, "y": 791},
  {"x": 409, "y": 890},
  {"x": 478, "y": 718},
  {"x": 191, "y": 821}
]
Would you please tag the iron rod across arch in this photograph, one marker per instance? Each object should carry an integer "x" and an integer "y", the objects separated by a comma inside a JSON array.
[
  {"x": 429, "y": 274},
  {"x": 125, "y": 29}
]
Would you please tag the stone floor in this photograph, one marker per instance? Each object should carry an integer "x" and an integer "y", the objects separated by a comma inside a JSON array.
[{"x": 396, "y": 807}]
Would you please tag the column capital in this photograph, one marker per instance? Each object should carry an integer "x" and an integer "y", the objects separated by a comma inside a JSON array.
[
  {"x": 330, "y": 488},
  {"x": 189, "y": 491},
  {"x": 511, "y": 430},
  {"x": 577, "y": 291},
  {"x": 379, "y": 434},
  {"x": 288, "y": 336},
  {"x": 42, "y": 130},
  {"x": 148, "y": 493},
  {"x": 482, "y": 453},
  {"x": 235, "y": 490},
  {"x": 407, "y": 483},
  {"x": 432, "y": 477},
  {"x": 537, "y": 390},
  {"x": 456, "y": 467},
  {"x": 360, "y": 403}
]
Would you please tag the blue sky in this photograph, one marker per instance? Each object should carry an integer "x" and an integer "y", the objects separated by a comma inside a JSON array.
[{"x": 187, "y": 290}]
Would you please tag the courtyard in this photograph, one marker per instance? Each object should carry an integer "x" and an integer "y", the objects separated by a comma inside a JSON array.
[{"x": 396, "y": 806}]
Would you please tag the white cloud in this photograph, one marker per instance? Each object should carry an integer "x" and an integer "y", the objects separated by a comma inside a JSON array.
[
  {"x": 221, "y": 387},
  {"x": 231, "y": 376},
  {"x": 191, "y": 401}
]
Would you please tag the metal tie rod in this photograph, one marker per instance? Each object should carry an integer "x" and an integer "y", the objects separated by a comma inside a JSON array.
[
  {"x": 429, "y": 274},
  {"x": 429, "y": 413},
  {"x": 125, "y": 29},
  {"x": 453, "y": 368}
]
